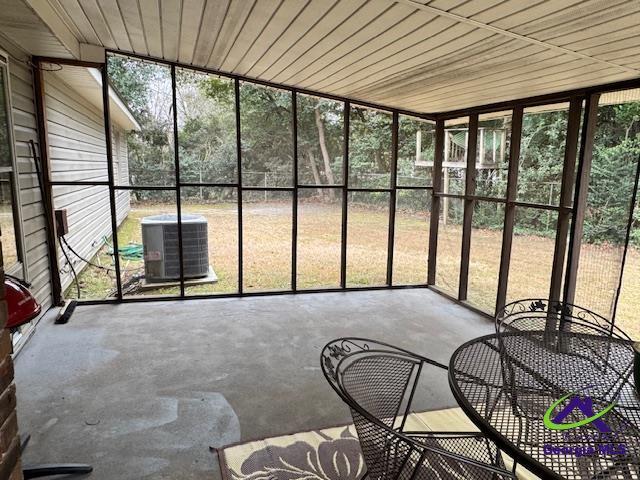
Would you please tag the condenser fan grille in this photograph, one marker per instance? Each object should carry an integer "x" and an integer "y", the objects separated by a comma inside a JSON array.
[{"x": 162, "y": 254}]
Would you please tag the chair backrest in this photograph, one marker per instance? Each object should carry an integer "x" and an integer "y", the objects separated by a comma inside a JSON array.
[
  {"x": 535, "y": 314},
  {"x": 375, "y": 376},
  {"x": 536, "y": 352}
]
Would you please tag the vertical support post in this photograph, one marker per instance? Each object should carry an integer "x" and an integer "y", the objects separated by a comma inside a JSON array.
[
  {"x": 566, "y": 189},
  {"x": 469, "y": 204},
  {"x": 493, "y": 148},
  {"x": 580, "y": 196},
  {"x": 176, "y": 159},
  {"x": 392, "y": 196},
  {"x": 112, "y": 188},
  {"x": 294, "y": 209},
  {"x": 445, "y": 200},
  {"x": 236, "y": 89},
  {"x": 345, "y": 193},
  {"x": 47, "y": 201},
  {"x": 435, "y": 202},
  {"x": 510, "y": 208},
  {"x": 445, "y": 185}
]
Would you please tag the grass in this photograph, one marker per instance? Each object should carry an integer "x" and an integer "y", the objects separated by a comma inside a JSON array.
[
  {"x": 267, "y": 253},
  {"x": 9, "y": 250}
]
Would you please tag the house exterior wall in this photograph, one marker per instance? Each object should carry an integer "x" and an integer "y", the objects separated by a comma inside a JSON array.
[
  {"x": 77, "y": 153},
  {"x": 24, "y": 129},
  {"x": 35, "y": 256}
]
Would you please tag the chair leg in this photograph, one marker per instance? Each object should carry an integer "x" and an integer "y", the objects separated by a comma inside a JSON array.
[{"x": 46, "y": 470}]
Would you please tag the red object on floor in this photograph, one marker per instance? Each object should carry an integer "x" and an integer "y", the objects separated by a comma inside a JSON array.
[{"x": 22, "y": 307}]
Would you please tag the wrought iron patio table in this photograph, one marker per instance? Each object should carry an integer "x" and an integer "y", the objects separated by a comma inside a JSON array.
[{"x": 561, "y": 404}]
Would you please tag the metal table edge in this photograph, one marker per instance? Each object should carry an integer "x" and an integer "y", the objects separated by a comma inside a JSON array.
[{"x": 502, "y": 442}]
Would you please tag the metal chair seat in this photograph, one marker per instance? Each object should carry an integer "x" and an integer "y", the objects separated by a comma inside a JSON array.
[{"x": 472, "y": 445}]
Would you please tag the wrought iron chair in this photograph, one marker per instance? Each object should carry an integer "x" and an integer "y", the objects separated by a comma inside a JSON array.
[
  {"x": 537, "y": 340},
  {"x": 541, "y": 315},
  {"x": 378, "y": 382}
]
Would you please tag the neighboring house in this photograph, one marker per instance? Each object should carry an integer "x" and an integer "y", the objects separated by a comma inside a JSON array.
[{"x": 77, "y": 151}]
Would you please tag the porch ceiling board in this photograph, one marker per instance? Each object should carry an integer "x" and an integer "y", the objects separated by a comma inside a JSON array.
[
  {"x": 92, "y": 10},
  {"x": 422, "y": 55},
  {"x": 21, "y": 27},
  {"x": 586, "y": 76},
  {"x": 273, "y": 38},
  {"x": 341, "y": 27},
  {"x": 257, "y": 19},
  {"x": 241, "y": 18},
  {"x": 86, "y": 32},
  {"x": 499, "y": 75},
  {"x": 151, "y": 26},
  {"x": 133, "y": 25},
  {"x": 190, "y": 28}
]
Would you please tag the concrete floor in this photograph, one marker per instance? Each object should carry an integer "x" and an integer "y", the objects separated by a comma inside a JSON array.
[{"x": 142, "y": 390}]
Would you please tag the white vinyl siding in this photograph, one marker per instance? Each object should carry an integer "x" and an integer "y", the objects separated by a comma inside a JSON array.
[
  {"x": 78, "y": 153},
  {"x": 34, "y": 238},
  {"x": 33, "y": 220}
]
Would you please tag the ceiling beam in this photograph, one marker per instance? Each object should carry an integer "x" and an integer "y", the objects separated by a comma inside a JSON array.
[{"x": 507, "y": 33}]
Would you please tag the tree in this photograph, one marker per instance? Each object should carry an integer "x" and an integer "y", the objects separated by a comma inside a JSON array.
[{"x": 207, "y": 147}]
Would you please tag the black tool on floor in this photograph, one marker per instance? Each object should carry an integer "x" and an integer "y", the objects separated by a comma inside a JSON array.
[
  {"x": 51, "y": 469},
  {"x": 66, "y": 311}
]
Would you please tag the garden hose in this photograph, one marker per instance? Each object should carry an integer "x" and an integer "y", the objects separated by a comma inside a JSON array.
[{"x": 131, "y": 251}]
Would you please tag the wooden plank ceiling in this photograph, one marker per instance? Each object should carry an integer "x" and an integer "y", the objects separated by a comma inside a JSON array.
[{"x": 427, "y": 56}]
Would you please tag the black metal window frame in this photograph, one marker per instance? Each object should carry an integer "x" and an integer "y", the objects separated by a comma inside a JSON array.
[
  {"x": 564, "y": 209},
  {"x": 569, "y": 212},
  {"x": 240, "y": 188},
  {"x": 11, "y": 171}
]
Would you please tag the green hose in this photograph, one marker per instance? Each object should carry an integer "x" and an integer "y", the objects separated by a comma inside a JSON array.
[{"x": 131, "y": 251}]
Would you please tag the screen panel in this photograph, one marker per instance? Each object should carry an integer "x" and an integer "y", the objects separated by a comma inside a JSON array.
[
  {"x": 454, "y": 163},
  {"x": 542, "y": 147},
  {"x": 320, "y": 141},
  {"x": 266, "y": 119},
  {"x": 532, "y": 252},
  {"x": 206, "y": 128},
  {"x": 210, "y": 240},
  {"x": 266, "y": 240},
  {"x": 616, "y": 150},
  {"x": 416, "y": 149},
  {"x": 492, "y": 162},
  {"x": 484, "y": 255},
  {"x": 449, "y": 245},
  {"x": 319, "y": 238},
  {"x": 88, "y": 247},
  {"x": 367, "y": 238},
  {"x": 148, "y": 244},
  {"x": 411, "y": 237},
  {"x": 145, "y": 88},
  {"x": 369, "y": 148}
]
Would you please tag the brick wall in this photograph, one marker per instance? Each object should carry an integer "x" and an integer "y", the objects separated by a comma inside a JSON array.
[{"x": 9, "y": 440}]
